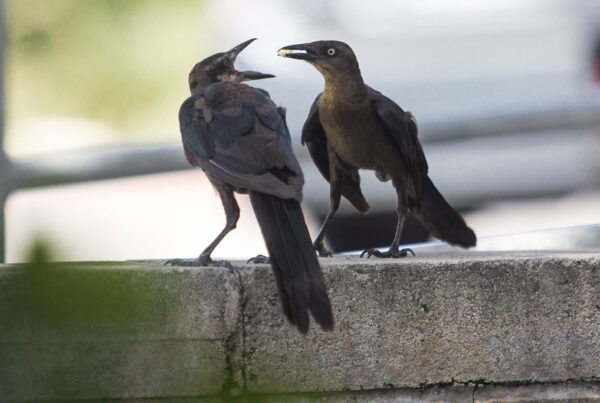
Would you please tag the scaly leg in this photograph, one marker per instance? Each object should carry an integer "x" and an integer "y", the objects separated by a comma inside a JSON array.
[
  {"x": 232, "y": 214},
  {"x": 318, "y": 244},
  {"x": 394, "y": 250},
  {"x": 401, "y": 210},
  {"x": 336, "y": 179}
]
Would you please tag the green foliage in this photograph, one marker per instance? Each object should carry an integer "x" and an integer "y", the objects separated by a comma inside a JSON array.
[
  {"x": 50, "y": 304},
  {"x": 65, "y": 297},
  {"x": 122, "y": 62}
]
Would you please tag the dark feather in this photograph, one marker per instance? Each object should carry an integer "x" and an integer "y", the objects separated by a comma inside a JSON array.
[
  {"x": 237, "y": 133},
  {"x": 441, "y": 219},
  {"x": 403, "y": 129},
  {"x": 226, "y": 127},
  {"x": 194, "y": 133},
  {"x": 295, "y": 266}
]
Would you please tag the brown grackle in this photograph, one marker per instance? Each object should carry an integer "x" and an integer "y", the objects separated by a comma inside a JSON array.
[{"x": 352, "y": 126}]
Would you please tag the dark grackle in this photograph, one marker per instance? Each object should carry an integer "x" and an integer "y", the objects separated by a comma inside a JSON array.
[{"x": 240, "y": 139}]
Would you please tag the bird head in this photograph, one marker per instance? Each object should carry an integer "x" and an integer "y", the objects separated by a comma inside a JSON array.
[
  {"x": 331, "y": 58},
  {"x": 219, "y": 68}
]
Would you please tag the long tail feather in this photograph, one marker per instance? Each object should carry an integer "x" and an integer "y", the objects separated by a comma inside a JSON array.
[
  {"x": 294, "y": 262},
  {"x": 441, "y": 219}
]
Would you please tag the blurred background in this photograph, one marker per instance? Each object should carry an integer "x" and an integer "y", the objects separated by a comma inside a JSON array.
[{"x": 506, "y": 95}]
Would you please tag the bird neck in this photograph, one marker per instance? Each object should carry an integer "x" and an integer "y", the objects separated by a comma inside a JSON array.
[{"x": 348, "y": 87}]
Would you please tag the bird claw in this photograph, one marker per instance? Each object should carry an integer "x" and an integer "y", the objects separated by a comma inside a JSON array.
[
  {"x": 259, "y": 259},
  {"x": 322, "y": 250},
  {"x": 222, "y": 263},
  {"x": 392, "y": 252}
]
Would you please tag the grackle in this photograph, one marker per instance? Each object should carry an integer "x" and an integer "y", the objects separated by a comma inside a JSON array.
[
  {"x": 352, "y": 126},
  {"x": 240, "y": 139}
]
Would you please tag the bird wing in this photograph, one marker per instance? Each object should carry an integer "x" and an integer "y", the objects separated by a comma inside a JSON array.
[
  {"x": 402, "y": 127},
  {"x": 239, "y": 136},
  {"x": 313, "y": 136},
  {"x": 197, "y": 142}
]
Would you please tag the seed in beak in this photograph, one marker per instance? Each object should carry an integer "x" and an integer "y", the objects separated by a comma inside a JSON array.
[{"x": 284, "y": 52}]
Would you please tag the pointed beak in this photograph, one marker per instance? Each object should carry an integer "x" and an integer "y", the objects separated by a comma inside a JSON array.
[
  {"x": 253, "y": 75},
  {"x": 245, "y": 75},
  {"x": 302, "y": 51},
  {"x": 233, "y": 52}
]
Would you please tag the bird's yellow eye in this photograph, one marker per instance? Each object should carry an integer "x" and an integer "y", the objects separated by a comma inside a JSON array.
[{"x": 331, "y": 51}]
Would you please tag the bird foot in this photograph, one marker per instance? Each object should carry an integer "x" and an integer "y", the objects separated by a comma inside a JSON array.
[
  {"x": 392, "y": 252},
  {"x": 202, "y": 261},
  {"x": 322, "y": 250},
  {"x": 259, "y": 259}
]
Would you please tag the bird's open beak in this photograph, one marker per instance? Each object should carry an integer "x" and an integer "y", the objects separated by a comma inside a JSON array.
[
  {"x": 236, "y": 50},
  {"x": 302, "y": 51},
  {"x": 253, "y": 75},
  {"x": 245, "y": 75}
]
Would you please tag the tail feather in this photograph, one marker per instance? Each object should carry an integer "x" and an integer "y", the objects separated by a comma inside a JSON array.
[
  {"x": 295, "y": 265},
  {"x": 441, "y": 219}
]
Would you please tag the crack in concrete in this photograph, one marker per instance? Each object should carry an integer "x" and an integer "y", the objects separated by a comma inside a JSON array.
[
  {"x": 522, "y": 382},
  {"x": 240, "y": 341},
  {"x": 232, "y": 388},
  {"x": 478, "y": 384},
  {"x": 243, "y": 303},
  {"x": 229, "y": 383}
]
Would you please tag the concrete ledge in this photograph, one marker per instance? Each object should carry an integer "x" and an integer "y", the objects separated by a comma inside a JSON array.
[
  {"x": 462, "y": 327},
  {"x": 177, "y": 336}
]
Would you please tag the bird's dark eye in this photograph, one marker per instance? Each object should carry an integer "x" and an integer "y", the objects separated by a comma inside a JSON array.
[
  {"x": 194, "y": 84},
  {"x": 331, "y": 51}
]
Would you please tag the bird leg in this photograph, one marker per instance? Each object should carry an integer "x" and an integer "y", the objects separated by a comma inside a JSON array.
[
  {"x": 232, "y": 214},
  {"x": 318, "y": 244},
  {"x": 336, "y": 178},
  {"x": 394, "y": 250}
]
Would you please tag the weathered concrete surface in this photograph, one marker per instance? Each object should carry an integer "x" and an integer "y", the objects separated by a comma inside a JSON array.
[
  {"x": 565, "y": 392},
  {"x": 178, "y": 341},
  {"x": 432, "y": 320},
  {"x": 434, "y": 328}
]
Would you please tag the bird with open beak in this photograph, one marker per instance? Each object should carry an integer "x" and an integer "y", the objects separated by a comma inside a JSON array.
[
  {"x": 351, "y": 126},
  {"x": 240, "y": 139},
  {"x": 220, "y": 68}
]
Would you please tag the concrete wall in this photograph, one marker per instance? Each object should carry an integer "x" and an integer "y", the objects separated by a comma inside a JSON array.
[{"x": 464, "y": 327}]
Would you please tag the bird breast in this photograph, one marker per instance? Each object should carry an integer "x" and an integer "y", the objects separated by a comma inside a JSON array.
[{"x": 350, "y": 133}]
